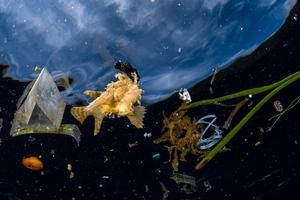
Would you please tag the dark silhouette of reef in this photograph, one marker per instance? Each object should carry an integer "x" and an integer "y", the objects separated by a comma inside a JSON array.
[{"x": 270, "y": 170}]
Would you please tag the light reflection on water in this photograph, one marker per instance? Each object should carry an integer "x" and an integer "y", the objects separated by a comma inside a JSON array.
[{"x": 173, "y": 44}]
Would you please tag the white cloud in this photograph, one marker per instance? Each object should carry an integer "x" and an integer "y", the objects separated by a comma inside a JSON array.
[
  {"x": 79, "y": 13},
  {"x": 289, "y": 4},
  {"x": 266, "y": 3},
  {"x": 211, "y": 4}
]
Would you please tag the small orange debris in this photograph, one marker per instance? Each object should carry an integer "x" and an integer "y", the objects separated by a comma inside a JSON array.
[{"x": 33, "y": 163}]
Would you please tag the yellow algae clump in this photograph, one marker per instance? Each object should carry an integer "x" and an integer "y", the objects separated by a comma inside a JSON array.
[
  {"x": 182, "y": 134},
  {"x": 119, "y": 99}
]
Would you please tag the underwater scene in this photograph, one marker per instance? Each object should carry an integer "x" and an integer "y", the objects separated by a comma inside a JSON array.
[{"x": 149, "y": 99}]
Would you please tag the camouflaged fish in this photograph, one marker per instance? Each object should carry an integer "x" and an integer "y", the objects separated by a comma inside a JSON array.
[{"x": 119, "y": 99}]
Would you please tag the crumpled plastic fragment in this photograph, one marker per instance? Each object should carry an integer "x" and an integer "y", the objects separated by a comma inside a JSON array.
[
  {"x": 184, "y": 95},
  {"x": 206, "y": 143}
]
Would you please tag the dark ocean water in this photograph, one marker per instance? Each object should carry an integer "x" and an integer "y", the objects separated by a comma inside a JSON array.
[{"x": 106, "y": 168}]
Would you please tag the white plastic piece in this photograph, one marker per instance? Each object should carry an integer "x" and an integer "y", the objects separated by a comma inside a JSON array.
[{"x": 184, "y": 95}]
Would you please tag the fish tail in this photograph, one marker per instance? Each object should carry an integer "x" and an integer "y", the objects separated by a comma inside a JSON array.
[
  {"x": 80, "y": 113},
  {"x": 137, "y": 118}
]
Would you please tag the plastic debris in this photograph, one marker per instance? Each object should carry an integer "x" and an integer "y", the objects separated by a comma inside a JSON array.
[
  {"x": 215, "y": 70},
  {"x": 278, "y": 106},
  {"x": 157, "y": 155},
  {"x": 187, "y": 183},
  {"x": 72, "y": 175},
  {"x": 130, "y": 145},
  {"x": 206, "y": 143},
  {"x": 207, "y": 185},
  {"x": 42, "y": 110},
  {"x": 165, "y": 190},
  {"x": 184, "y": 95},
  {"x": 237, "y": 106}
]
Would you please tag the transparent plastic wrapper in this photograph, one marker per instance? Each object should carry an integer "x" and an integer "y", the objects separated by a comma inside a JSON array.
[{"x": 42, "y": 110}]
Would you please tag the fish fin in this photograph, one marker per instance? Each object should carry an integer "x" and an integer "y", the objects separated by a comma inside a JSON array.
[
  {"x": 138, "y": 115},
  {"x": 92, "y": 94},
  {"x": 98, "y": 122},
  {"x": 80, "y": 113}
]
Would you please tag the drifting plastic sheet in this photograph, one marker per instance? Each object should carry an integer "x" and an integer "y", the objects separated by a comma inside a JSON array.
[
  {"x": 208, "y": 142},
  {"x": 42, "y": 110},
  {"x": 188, "y": 182}
]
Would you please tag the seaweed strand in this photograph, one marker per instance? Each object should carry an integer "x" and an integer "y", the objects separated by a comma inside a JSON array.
[
  {"x": 241, "y": 93},
  {"x": 278, "y": 86}
]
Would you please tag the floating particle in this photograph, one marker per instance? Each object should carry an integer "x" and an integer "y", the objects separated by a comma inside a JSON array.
[
  {"x": 1, "y": 123},
  {"x": 37, "y": 69},
  {"x": 72, "y": 175},
  {"x": 105, "y": 159},
  {"x": 146, "y": 188},
  {"x": 105, "y": 177},
  {"x": 268, "y": 129},
  {"x": 261, "y": 130},
  {"x": 31, "y": 139},
  {"x": 79, "y": 187},
  {"x": 179, "y": 50},
  {"x": 207, "y": 185},
  {"x": 295, "y": 17},
  {"x": 211, "y": 91},
  {"x": 130, "y": 145},
  {"x": 278, "y": 106},
  {"x": 147, "y": 135},
  {"x": 258, "y": 143},
  {"x": 52, "y": 151},
  {"x": 157, "y": 155},
  {"x": 152, "y": 1},
  {"x": 225, "y": 149},
  {"x": 69, "y": 167}
]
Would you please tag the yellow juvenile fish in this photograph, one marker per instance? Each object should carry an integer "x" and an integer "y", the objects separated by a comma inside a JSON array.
[{"x": 119, "y": 99}]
